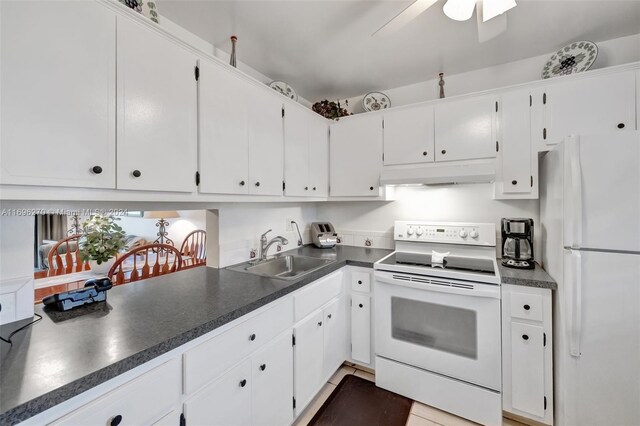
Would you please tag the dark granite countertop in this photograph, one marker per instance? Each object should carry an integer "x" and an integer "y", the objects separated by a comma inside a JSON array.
[
  {"x": 66, "y": 354},
  {"x": 537, "y": 277}
]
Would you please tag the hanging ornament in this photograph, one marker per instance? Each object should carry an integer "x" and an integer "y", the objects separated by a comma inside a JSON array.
[
  {"x": 441, "y": 84},
  {"x": 232, "y": 61}
]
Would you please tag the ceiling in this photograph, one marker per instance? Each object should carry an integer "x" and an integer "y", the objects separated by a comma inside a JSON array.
[{"x": 324, "y": 49}]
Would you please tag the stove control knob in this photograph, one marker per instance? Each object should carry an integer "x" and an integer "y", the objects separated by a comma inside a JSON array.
[
  {"x": 410, "y": 230},
  {"x": 419, "y": 231},
  {"x": 473, "y": 234},
  {"x": 463, "y": 233}
]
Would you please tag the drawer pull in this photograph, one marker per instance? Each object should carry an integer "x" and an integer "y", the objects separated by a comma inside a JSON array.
[
  {"x": 359, "y": 281},
  {"x": 116, "y": 420},
  {"x": 514, "y": 182},
  {"x": 136, "y": 173},
  {"x": 257, "y": 183},
  {"x": 620, "y": 125},
  {"x": 329, "y": 316},
  {"x": 243, "y": 383},
  {"x": 252, "y": 337},
  {"x": 306, "y": 188},
  {"x": 242, "y": 183},
  {"x": 314, "y": 188},
  {"x": 371, "y": 188},
  {"x": 96, "y": 170},
  {"x": 444, "y": 151},
  {"x": 424, "y": 153},
  {"x": 319, "y": 323},
  {"x": 361, "y": 305},
  {"x": 263, "y": 367},
  {"x": 526, "y": 307},
  {"x": 525, "y": 337}
]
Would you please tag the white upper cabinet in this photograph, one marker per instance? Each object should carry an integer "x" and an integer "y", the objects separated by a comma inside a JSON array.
[
  {"x": 515, "y": 167},
  {"x": 224, "y": 137},
  {"x": 356, "y": 156},
  {"x": 465, "y": 129},
  {"x": 266, "y": 141},
  {"x": 57, "y": 109},
  {"x": 306, "y": 153},
  {"x": 409, "y": 136},
  {"x": 604, "y": 103},
  {"x": 157, "y": 111}
]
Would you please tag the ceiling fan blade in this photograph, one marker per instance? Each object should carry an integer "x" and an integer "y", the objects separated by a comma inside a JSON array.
[
  {"x": 404, "y": 17},
  {"x": 490, "y": 28}
]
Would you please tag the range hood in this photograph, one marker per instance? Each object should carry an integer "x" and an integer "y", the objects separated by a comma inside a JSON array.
[{"x": 440, "y": 173}]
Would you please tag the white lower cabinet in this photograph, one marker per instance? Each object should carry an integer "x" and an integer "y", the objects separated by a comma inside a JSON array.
[
  {"x": 309, "y": 350},
  {"x": 527, "y": 369},
  {"x": 361, "y": 328},
  {"x": 335, "y": 335}
]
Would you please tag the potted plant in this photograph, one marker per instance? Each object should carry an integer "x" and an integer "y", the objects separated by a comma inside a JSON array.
[
  {"x": 331, "y": 110},
  {"x": 102, "y": 239}
]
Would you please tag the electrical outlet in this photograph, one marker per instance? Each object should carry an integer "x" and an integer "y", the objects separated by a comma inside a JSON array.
[{"x": 288, "y": 225}]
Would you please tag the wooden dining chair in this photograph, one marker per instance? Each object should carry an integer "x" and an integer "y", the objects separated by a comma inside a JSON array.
[
  {"x": 194, "y": 249},
  {"x": 145, "y": 262},
  {"x": 69, "y": 261}
]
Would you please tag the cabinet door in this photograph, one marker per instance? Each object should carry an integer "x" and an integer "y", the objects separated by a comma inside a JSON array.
[
  {"x": 408, "y": 136},
  {"x": 224, "y": 139},
  {"x": 334, "y": 336},
  {"x": 296, "y": 152},
  {"x": 157, "y": 111},
  {"x": 360, "y": 328},
  {"x": 266, "y": 142},
  {"x": 319, "y": 157},
  {"x": 465, "y": 129},
  {"x": 57, "y": 109},
  {"x": 356, "y": 156},
  {"x": 309, "y": 349},
  {"x": 527, "y": 368},
  {"x": 515, "y": 142},
  {"x": 589, "y": 105},
  {"x": 272, "y": 383},
  {"x": 224, "y": 402}
]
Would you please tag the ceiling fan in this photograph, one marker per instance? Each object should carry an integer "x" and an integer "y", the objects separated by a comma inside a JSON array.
[{"x": 490, "y": 14}]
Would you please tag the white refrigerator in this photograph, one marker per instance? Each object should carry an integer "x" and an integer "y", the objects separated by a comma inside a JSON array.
[{"x": 590, "y": 223}]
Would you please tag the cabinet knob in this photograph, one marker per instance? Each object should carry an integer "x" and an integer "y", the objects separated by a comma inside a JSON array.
[
  {"x": 360, "y": 282},
  {"x": 96, "y": 169},
  {"x": 319, "y": 323},
  {"x": 525, "y": 337},
  {"x": 115, "y": 420},
  {"x": 620, "y": 125},
  {"x": 361, "y": 305},
  {"x": 444, "y": 151},
  {"x": 252, "y": 337},
  {"x": 136, "y": 173},
  {"x": 514, "y": 182},
  {"x": 263, "y": 367},
  {"x": 242, "y": 183},
  {"x": 306, "y": 188},
  {"x": 526, "y": 307},
  {"x": 329, "y": 316},
  {"x": 424, "y": 153},
  {"x": 314, "y": 188},
  {"x": 243, "y": 383},
  {"x": 371, "y": 188},
  {"x": 257, "y": 183}
]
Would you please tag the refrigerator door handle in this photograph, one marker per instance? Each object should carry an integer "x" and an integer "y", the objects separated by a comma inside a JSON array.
[
  {"x": 573, "y": 145},
  {"x": 575, "y": 320}
]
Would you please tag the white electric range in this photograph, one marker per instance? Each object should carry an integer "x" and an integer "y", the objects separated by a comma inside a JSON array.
[{"x": 437, "y": 318}]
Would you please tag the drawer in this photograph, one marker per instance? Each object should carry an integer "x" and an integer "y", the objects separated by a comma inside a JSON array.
[
  {"x": 143, "y": 400},
  {"x": 526, "y": 306},
  {"x": 317, "y": 294},
  {"x": 210, "y": 359},
  {"x": 361, "y": 281}
]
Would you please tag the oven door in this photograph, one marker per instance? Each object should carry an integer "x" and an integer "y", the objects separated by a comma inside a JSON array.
[{"x": 447, "y": 327}]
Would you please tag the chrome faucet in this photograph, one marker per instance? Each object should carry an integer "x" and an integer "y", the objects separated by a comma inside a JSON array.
[{"x": 264, "y": 244}]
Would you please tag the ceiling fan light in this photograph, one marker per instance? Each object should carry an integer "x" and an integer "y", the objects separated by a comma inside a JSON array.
[
  {"x": 493, "y": 8},
  {"x": 459, "y": 10}
]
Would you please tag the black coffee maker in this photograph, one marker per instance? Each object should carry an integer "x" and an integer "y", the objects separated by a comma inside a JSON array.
[{"x": 517, "y": 243}]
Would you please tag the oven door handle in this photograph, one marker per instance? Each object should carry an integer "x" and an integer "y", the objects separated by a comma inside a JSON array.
[{"x": 491, "y": 291}]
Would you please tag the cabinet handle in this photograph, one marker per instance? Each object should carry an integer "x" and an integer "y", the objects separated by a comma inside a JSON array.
[
  {"x": 96, "y": 169},
  {"x": 359, "y": 281},
  {"x": 620, "y": 125},
  {"x": 319, "y": 323},
  {"x": 243, "y": 383},
  {"x": 424, "y": 153},
  {"x": 306, "y": 188},
  {"x": 514, "y": 182},
  {"x": 329, "y": 316},
  {"x": 252, "y": 337},
  {"x": 115, "y": 420},
  {"x": 361, "y": 305},
  {"x": 257, "y": 183},
  {"x": 314, "y": 188},
  {"x": 525, "y": 337},
  {"x": 526, "y": 307},
  {"x": 241, "y": 183},
  {"x": 444, "y": 151},
  {"x": 136, "y": 173},
  {"x": 263, "y": 367},
  {"x": 371, "y": 188}
]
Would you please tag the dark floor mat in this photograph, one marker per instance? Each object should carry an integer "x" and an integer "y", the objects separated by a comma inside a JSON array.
[{"x": 357, "y": 401}]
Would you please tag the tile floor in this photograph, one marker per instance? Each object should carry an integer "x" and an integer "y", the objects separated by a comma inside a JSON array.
[{"x": 421, "y": 415}]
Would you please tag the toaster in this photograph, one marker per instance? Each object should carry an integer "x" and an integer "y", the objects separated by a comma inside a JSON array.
[{"x": 323, "y": 234}]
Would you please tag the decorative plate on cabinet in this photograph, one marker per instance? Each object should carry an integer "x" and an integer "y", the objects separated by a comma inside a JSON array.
[
  {"x": 375, "y": 101},
  {"x": 573, "y": 58},
  {"x": 285, "y": 89}
]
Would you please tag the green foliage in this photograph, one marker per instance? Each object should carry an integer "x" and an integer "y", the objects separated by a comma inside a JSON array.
[{"x": 102, "y": 238}]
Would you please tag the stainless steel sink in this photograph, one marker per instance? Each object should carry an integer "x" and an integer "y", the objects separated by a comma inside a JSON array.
[{"x": 286, "y": 267}]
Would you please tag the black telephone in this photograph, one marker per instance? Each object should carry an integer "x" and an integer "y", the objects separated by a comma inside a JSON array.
[{"x": 94, "y": 290}]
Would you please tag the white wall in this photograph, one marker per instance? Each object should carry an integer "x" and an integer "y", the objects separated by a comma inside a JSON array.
[
  {"x": 454, "y": 203},
  {"x": 611, "y": 52}
]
